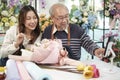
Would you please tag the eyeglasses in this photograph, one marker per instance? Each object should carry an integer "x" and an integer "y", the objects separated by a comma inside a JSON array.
[{"x": 61, "y": 18}]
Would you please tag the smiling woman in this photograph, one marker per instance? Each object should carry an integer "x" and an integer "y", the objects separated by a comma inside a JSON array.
[{"x": 26, "y": 33}]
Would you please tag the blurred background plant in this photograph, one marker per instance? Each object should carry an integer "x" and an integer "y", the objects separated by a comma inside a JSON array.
[
  {"x": 116, "y": 47},
  {"x": 9, "y": 10},
  {"x": 84, "y": 16},
  {"x": 44, "y": 21},
  {"x": 117, "y": 44},
  {"x": 110, "y": 9}
]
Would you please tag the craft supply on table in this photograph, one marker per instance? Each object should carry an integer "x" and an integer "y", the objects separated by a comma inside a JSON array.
[
  {"x": 36, "y": 72},
  {"x": 23, "y": 71},
  {"x": 12, "y": 71}
]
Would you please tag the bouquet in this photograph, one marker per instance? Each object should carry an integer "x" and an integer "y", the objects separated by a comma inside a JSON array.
[
  {"x": 9, "y": 11},
  {"x": 44, "y": 21},
  {"x": 84, "y": 17},
  {"x": 110, "y": 8}
]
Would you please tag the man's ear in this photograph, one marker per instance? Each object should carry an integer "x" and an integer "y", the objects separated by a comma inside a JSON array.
[{"x": 51, "y": 17}]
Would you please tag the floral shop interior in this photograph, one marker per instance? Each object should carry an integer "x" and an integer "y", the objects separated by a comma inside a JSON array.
[{"x": 100, "y": 20}]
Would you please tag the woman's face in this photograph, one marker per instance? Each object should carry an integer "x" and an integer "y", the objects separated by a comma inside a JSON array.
[{"x": 31, "y": 21}]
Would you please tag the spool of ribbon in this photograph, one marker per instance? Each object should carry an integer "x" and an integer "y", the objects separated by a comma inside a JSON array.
[
  {"x": 36, "y": 72},
  {"x": 12, "y": 71}
]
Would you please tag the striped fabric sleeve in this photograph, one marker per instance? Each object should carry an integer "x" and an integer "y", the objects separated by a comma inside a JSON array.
[{"x": 88, "y": 44}]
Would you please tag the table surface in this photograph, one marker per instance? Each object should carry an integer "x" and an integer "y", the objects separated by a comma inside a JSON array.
[{"x": 107, "y": 72}]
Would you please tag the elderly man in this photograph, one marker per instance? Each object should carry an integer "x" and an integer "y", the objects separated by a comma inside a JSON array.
[{"x": 73, "y": 37}]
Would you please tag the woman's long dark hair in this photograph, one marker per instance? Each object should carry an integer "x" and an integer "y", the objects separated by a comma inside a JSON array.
[{"x": 21, "y": 20}]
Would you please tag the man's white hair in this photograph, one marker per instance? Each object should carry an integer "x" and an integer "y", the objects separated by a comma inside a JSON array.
[{"x": 55, "y": 6}]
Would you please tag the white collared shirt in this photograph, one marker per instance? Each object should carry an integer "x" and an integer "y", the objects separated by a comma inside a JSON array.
[{"x": 55, "y": 29}]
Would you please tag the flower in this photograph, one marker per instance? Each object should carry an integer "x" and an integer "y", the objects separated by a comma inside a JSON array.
[
  {"x": 116, "y": 46},
  {"x": 9, "y": 12},
  {"x": 110, "y": 7},
  {"x": 109, "y": 34},
  {"x": 84, "y": 17},
  {"x": 7, "y": 18},
  {"x": 44, "y": 21},
  {"x": 43, "y": 3}
]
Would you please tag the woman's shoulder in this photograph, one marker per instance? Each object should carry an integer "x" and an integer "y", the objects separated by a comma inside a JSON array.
[{"x": 12, "y": 30}]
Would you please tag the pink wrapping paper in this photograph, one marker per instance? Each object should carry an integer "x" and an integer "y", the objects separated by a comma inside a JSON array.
[
  {"x": 50, "y": 52},
  {"x": 23, "y": 72},
  {"x": 47, "y": 53}
]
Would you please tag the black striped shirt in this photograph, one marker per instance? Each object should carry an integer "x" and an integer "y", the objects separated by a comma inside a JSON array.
[{"x": 78, "y": 38}]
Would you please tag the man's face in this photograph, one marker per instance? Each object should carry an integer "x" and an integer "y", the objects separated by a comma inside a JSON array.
[{"x": 61, "y": 18}]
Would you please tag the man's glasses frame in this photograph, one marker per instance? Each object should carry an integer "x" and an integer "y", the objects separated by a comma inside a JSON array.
[{"x": 61, "y": 18}]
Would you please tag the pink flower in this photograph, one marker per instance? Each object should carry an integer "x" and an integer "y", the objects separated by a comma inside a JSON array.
[
  {"x": 43, "y": 3},
  {"x": 108, "y": 35}
]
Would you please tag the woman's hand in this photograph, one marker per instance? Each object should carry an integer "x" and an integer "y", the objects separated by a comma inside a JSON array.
[{"x": 19, "y": 40}]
